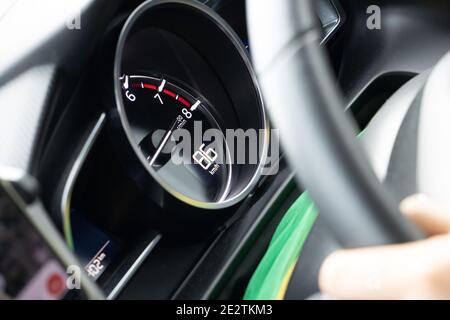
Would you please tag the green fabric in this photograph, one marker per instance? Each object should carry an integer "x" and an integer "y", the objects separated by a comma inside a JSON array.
[{"x": 284, "y": 250}]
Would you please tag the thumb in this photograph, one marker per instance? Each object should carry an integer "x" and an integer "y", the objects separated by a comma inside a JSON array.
[{"x": 433, "y": 218}]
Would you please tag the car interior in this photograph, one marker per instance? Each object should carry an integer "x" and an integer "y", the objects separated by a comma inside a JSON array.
[{"x": 212, "y": 149}]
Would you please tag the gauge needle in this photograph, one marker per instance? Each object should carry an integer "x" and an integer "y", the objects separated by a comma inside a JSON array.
[
  {"x": 160, "y": 147},
  {"x": 163, "y": 143}
]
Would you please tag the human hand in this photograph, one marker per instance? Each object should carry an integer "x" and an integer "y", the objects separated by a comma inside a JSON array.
[{"x": 416, "y": 270}]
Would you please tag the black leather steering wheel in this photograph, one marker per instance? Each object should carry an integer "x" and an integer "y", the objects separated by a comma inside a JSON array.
[{"x": 317, "y": 136}]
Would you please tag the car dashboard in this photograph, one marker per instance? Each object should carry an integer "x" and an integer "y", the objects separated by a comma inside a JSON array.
[{"x": 89, "y": 101}]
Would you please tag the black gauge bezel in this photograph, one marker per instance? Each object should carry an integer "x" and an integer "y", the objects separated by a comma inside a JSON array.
[{"x": 219, "y": 23}]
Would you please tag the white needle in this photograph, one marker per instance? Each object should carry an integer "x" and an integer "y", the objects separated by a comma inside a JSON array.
[{"x": 161, "y": 146}]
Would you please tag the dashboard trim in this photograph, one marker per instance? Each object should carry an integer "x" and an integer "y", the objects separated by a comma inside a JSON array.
[
  {"x": 73, "y": 175},
  {"x": 336, "y": 23},
  {"x": 133, "y": 269}
]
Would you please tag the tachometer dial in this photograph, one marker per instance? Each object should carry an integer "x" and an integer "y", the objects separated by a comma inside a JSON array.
[
  {"x": 188, "y": 117},
  {"x": 168, "y": 124}
]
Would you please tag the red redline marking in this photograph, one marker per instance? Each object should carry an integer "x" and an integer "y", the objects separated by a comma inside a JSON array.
[
  {"x": 184, "y": 101},
  {"x": 170, "y": 93},
  {"x": 174, "y": 95},
  {"x": 166, "y": 91},
  {"x": 150, "y": 86}
]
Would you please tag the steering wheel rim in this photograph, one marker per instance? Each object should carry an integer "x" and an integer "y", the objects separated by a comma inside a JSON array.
[{"x": 318, "y": 137}]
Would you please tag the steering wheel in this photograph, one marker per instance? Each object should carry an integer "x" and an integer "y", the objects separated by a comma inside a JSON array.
[{"x": 318, "y": 137}]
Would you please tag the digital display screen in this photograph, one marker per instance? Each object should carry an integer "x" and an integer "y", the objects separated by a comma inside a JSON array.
[
  {"x": 94, "y": 249},
  {"x": 29, "y": 270}
]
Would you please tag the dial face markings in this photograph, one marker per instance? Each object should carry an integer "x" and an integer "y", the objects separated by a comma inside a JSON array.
[
  {"x": 196, "y": 105},
  {"x": 161, "y": 87},
  {"x": 157, "y": 96},
  {"x": 126, "y": 80},
  {"x": 167, "y": 92},
  {"x": 156, "y": 109},
  {"x": 184, "y": 101}
]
